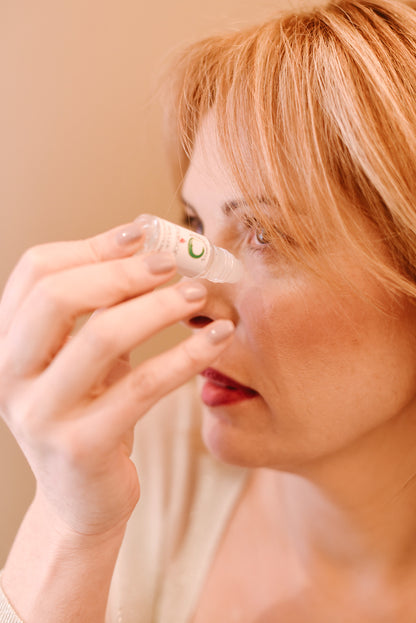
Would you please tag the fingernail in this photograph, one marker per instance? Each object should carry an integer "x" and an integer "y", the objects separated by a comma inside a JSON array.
[
  {"x": 219, "y": 331},
  {"x": 158, "y": 263},
  {"x": 192, "y": 291},
  {"x": 128, "y": 234}
]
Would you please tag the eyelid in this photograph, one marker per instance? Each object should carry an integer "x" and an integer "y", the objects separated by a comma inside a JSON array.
[
  {"x": 189, "y": 214},
  {"x": 189, "y": 210},
  {"x": 254, "y": 226},
  {"x": 251, "y": 222}
]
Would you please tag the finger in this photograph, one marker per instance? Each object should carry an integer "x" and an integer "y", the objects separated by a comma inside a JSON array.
[
  {"x": 88, "y": 357},
  {"x": 119, "y": 370},
  {"x": 52, "y": 257},
  {"x": 119, "y": 409},
  {"x": 42, "y": 323},
  {"x": 122, "y": 366}
]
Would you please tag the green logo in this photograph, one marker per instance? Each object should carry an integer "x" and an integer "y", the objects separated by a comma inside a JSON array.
[{"x": 191, "y": 249}]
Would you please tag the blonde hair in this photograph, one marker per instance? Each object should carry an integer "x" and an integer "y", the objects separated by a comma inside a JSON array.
[{"x": 316, "y": 113}]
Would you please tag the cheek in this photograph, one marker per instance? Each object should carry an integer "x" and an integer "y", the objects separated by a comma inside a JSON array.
[
  {"x": 337, "y": 360},
  {"x": 292, "y": 324}
]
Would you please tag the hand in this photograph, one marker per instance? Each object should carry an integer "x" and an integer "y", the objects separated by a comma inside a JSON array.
[{"x": 72, "y": 404}]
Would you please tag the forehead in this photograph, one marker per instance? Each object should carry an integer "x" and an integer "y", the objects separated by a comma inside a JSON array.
[{"x": 208, "y": 174}]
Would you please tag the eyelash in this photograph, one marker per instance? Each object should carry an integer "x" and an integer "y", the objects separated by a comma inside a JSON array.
[
  {"x": 192, "y": 221},
  {"x": 253, "y": 227}
]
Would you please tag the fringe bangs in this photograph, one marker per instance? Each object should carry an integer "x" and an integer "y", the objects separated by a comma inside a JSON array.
[{"x": 316, "y": 114}]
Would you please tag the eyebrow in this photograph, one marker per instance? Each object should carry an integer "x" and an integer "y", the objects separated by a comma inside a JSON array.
[{"x": 228, "y": 207}]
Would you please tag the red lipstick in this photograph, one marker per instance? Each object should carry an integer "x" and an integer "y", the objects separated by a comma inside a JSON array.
[{"x": 222, "y": 390}]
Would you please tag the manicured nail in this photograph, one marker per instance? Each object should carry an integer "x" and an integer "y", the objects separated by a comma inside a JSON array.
[
  {"x": 192, "y": 291},
  {"x": 129, "y": 234},
  {"x": 158, "y": 263},
  {"x": 219, "y": 331}
]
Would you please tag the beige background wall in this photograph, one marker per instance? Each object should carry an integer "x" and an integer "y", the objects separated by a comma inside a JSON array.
[{"x": 80, "y": 140}]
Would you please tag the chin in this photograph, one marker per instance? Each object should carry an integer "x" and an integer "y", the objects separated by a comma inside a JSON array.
[
  {"x": 231, "y": 439},
  {"x": 231, "y": 444}
]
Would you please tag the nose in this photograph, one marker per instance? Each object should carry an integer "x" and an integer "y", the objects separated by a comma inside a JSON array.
[
  {"x": 220, "y": 304},
  {"x": 199, "y": 322}
]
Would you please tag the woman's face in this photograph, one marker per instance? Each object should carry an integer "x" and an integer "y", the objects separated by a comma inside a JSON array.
[{"x": 329, "y": 366}]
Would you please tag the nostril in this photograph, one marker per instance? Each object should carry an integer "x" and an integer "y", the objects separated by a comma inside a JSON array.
[{"x": 198, "y": 322}]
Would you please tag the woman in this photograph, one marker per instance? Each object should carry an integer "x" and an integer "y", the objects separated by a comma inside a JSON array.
[{"x": 297, "y": 139}]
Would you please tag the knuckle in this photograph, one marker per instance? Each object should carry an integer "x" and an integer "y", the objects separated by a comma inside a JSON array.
[
  {"x": 46, "y": 436},
  {"x": 93, "y": 249},
  {"x": 98, "y": 338},
  {"x": 29, "y": 426},
  {"x": 126, "y": 278},
  {"x": 191, "y": 357},
  {"x": 5, "y": 365},
  {"x": 49, "y": 294},
  {"x": 7, "y": 388},
  {"x": 143, "y": 384},
  {"x": 168, "y": 301},
  {"x": 34, "y": 262}
]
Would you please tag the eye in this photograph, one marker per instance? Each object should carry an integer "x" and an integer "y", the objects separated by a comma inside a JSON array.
[
  {"x": 257, "y": 235},
  {"x": 192, "y": 221},
  {"x": 260, "y": 236}
]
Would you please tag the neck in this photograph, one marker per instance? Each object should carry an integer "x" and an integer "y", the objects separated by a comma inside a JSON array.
[{"x": 356, "y": 509}]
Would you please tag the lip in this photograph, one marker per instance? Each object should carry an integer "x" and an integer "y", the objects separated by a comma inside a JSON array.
[{"x": 220, "y": 389}]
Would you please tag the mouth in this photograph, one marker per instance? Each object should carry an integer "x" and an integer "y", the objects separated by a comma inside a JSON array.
[{"x": 220, "y": 389}]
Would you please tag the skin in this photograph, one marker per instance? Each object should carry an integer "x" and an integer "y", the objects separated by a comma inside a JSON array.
[{"x": 334, "y": 424}]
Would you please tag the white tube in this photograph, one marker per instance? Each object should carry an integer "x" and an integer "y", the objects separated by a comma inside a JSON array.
[{"x": 195, "y": 255}]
